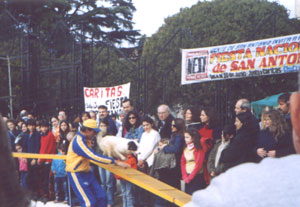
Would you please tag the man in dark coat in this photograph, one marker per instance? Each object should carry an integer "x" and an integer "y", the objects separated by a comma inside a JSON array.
[
  {"x": 165, "y": 121},
  {"x": 243, "y": 105}
]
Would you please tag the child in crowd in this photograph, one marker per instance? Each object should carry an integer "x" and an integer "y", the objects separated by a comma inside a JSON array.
[
  {"x": 48, "y": 145},
  {"x": 32, "y": 144},
  {"x": 12, "y": 133},
  {"x": 192, "y": 162},
  {"x": 38, "y": 126},
  {"x": 60, "y": 179},
  {"x": 23, "y": 169},
  {"x": 163, "y": 142},
  {"x": 127, "y": 187},
  {"x": 162, "y": 160},
  {"x": 214, "y": 166},
  {"x": 64, "y": 129}
]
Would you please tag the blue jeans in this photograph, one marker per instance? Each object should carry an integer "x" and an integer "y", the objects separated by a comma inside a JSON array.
[
  {"x": 23, "y": 179},
  {"x": 128, "y": 192},
  {"x": 107, "y": 183},
  {"x": 60, "y": 187},
  {"x": 87, "y": 189}
]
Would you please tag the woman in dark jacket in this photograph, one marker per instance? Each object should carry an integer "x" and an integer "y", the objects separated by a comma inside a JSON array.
[
  {"x": 171, "y": 176},
  {"x": 192, "y": 118},
  {"x": 175, "y": 146},
  {"x": 276, "y": 139},
  {"x": 241, "y": 145}
]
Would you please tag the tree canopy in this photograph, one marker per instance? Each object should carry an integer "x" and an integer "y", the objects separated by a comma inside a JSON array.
[
  {"x": 47, "y": 38},
  {"x": 101, "y": 20}
]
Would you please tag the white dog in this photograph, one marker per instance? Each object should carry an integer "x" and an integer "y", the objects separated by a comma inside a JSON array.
[{"x": 116, "y": 147}]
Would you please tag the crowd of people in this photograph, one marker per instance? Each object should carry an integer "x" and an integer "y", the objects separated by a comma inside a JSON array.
[{"x": 193, "y": 148}]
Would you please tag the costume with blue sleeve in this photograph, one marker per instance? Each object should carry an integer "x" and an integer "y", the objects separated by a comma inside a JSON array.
[{"x": 82, "y": 180}]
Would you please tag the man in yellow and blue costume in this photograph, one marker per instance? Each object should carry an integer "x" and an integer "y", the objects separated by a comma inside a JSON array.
[{"x": 82, "y": 180}]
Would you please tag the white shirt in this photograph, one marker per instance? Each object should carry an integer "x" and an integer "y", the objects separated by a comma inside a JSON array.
[
  {"x": 273, "y": 182},
  {"x": 147, "y": 145}
]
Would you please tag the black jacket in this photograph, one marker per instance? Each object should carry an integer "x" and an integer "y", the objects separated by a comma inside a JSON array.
[
  {"x": 165, "y": 130},
  {"x": 238, "y": 150},
  {"x": 283, "y": 147}
]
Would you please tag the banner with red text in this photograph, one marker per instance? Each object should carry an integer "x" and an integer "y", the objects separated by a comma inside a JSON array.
[
  {"x": 256, "y": 58},
  {"x": 111, "y": 97}
]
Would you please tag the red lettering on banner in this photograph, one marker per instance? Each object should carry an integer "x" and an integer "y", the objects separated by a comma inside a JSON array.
[
  {"x": 260, "y": 51},
  {"x": 113, "y": 92},
  {"x": 234, "y": 66},
  {"x": 212, "y": 57},
  {"x": 251, "y": 64},
  {"x": 285, "y": 47},
  {"x": 272, "y": 61},
  {"x": 91, "y": 92},
  {"x": 96, "y": 93},
  {"x": 119, "y": 91},
  {"x": 225, "y": 57},
  {"x": 281, "y": 59},
  {"x": 240, "y": 52},
  {"x": 293, "y": 47},
  {"x": 219, "y": 68},
  {"x": 248, "y": 54},
  {"x": 107, "y": 92},
  {"x": 269, "y": 50},
  {"x": 86, "y": 92},
  {"x": 243, "y": 65},
  {"x": 276, "y": 50},
  {"x": 263, "y": 63},
  {"x": 292, "y": 58}
]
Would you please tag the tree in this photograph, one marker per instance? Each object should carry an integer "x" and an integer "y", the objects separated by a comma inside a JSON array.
[
  {"x": 60, "y": 33},
  {"x": 99, "y": 20},
  {"x": 214, "y": 23}
]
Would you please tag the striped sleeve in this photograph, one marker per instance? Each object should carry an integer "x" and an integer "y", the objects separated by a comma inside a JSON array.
[{"x": 81, "y": 148}]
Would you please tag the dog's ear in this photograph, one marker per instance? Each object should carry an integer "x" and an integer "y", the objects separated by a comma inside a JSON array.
[{"x": 132, "y": 146}]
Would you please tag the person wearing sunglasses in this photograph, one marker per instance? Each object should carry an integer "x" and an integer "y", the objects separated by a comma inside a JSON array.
[{"x": 133, "y": 126}]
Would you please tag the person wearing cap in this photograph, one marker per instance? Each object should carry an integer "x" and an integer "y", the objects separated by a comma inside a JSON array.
[{"x": 82, "y": 179}]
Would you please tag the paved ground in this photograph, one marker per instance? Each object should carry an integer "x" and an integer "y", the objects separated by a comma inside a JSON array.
[{"x": 118, "y": 201}]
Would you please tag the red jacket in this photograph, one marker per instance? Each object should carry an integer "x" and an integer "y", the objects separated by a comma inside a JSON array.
[
  {"x": 48, "y": 145},
  {"x": 199, "y": 161},
  {"x": 206, "y": 139},
  {"x": 131, "y": 160}
]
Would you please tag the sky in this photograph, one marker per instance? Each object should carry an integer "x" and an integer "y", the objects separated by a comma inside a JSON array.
[{"x": 150, "y": 14}]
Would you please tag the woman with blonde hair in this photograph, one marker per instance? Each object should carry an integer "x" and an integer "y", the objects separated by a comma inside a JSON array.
[{"x": 276, "y": 139}]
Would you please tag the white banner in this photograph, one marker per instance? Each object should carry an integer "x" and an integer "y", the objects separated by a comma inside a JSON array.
[
  {"x": 111, "y": 97},
  {"x": 256, "y": 58}
]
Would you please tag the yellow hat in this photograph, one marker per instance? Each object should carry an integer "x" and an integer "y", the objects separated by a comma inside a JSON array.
[{"x": 92, "y": 124}]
